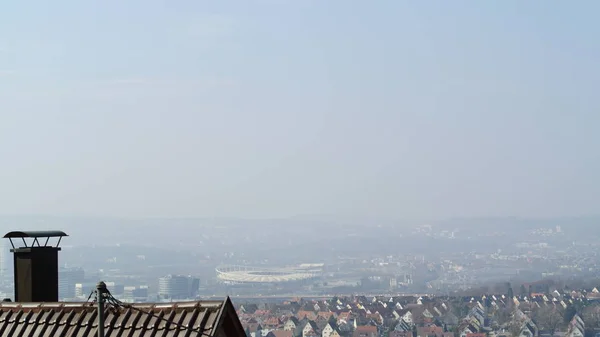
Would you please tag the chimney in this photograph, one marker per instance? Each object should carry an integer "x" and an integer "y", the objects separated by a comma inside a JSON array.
[{"x": 36, "y": 265}]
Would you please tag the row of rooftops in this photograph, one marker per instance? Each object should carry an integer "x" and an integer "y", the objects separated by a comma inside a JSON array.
[{"x": 401, "y": 314}]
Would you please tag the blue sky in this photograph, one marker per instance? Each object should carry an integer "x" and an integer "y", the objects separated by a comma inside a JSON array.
[{"x": 279, "y": 108}]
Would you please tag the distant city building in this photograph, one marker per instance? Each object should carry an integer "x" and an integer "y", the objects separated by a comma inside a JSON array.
[
  {"x": 178, "y": 287},
  {"x": 116, "y": 289},
  {"x": 135, "y": 293},
  {"x": 67, "y": 280},
  {"x": 83, "y": 290}
]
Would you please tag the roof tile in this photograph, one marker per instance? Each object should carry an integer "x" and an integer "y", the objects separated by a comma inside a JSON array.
[{"x": 80, "y": 319}]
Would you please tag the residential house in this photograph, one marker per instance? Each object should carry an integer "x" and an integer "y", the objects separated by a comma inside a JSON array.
[
  {"x": 322, "y": 321},
  {"x": 310, "y": 315},
  {"x": 337, "y": 333},
  {"x": 467, "y": 328},
  {"x": 478, "y": 314},
  {"x": 430, "y": 331},
  {"x": 376, "y": 318},
  {"x": 272, "y": 322},
  {"x": 262, "y": 313},
  {"x": 344, "y": 317},
  {"x": 407, "y": 316},
  {"x": 280, "y": 333},
  {"x": 253, "y": 329},
  {"x": 329, "y": 329},
  {"x": 291, "y": 324},
  {"x": 405, "y": 323},
  {"x": 365, "y": 331},
  {"x": 347, "y": 328},
  {"x": 325, "y": 315},
  {"x": 530, "y": 330},
  {"x": 576, "y": 327},
  {"x": 310, "y": 329},
  {"x": 402, "y": 326},
  {"x": 427, "y": 314}
]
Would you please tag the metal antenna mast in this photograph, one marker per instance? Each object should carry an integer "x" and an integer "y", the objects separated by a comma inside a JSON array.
[
  {"x": 104, "y": 297},
  {"x": 101, "y": 293}
]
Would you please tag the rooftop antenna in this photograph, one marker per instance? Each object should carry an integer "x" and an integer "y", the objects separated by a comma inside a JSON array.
[{"x": 102, "y": 292}]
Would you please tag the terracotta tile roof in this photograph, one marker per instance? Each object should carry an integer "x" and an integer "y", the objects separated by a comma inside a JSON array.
[
  {"x": 282, "y": 333},
  {"x": 430, "y": 330},
  {"x": 208, "y": 318},
  {"x": 272, "y": 321},
  {"x": 305, "y": 313},
  {"x": 325, "y": 314},
  {"x": 365, "y": 331},
  {"x": 252, "y": 327}
]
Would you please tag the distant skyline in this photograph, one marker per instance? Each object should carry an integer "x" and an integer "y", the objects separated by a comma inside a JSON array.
[{"x": 279, "y": 108}]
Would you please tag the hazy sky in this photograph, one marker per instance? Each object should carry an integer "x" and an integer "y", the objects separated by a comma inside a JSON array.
[{"x": 286, "y": 107}]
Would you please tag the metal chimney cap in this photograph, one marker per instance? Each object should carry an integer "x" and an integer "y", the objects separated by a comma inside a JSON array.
[{"x": 34, "y": 234}]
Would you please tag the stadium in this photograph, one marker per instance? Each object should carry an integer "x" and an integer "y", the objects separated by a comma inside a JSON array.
[{"x": 231, "y": 274}]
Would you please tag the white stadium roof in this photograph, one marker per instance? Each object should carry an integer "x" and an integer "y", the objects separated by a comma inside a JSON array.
[{"x": 245, "y": 274}]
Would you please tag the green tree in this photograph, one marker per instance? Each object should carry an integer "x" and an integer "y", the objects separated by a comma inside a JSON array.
[
  {"x": 547, "y": 318},
  {"x": 591, "y": 316},
  {"x": 570, "y": 312},
  {"x": 514, "y": 327},
  {"x": 502, "y": 316},
  {"x": 523, "y": 291}
]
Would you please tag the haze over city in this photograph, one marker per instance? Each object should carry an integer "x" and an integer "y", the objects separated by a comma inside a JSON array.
[
  {"x": 265, "y": 109},
  {"x": 299, "y": 168}
]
